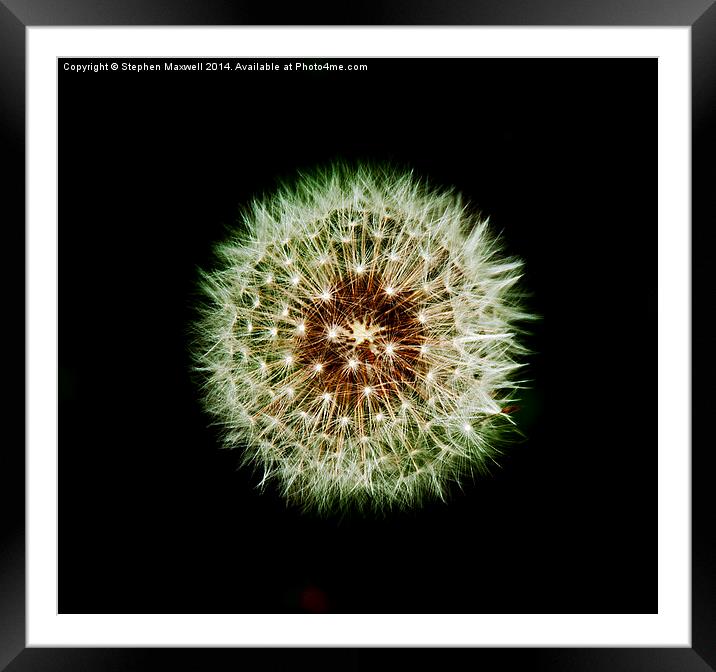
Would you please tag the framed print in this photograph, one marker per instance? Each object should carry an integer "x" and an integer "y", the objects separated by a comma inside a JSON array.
[{"x": 360, "y": 337}]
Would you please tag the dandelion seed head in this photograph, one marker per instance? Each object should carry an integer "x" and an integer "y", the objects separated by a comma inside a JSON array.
[{"x": 359, "y": 316}]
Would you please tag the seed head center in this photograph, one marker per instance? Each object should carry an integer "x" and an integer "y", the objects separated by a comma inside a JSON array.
[{"x": 360, "y": 331}]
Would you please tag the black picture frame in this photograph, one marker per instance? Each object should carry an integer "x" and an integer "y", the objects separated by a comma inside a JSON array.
[{"x": 700, "y": 15}]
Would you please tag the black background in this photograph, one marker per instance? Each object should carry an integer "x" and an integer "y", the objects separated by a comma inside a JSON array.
[{"x": 154, "y": 518}]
